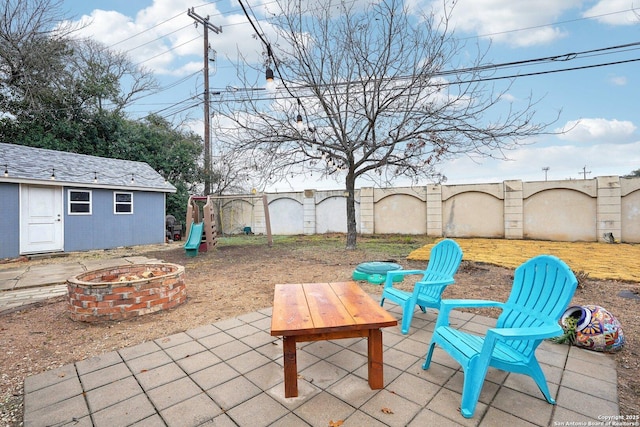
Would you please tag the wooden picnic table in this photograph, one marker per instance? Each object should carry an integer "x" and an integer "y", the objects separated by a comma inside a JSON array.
[{"x": 327, "y": 311}]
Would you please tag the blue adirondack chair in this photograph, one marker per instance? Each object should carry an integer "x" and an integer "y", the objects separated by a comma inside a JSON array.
[
  {"x": 444, "y": 260},
  {"x": 542, "y": 289}
]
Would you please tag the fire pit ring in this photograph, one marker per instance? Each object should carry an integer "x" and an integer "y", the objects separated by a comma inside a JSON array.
[{"x": 125, "y": 291}]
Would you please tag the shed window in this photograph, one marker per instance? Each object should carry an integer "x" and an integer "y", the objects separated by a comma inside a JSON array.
[
  {"x": 79, "y": 202},
  {"x": 123, "y": 203}
]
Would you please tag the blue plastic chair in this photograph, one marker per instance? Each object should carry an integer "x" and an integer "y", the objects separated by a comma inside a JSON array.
[
  {"x": 542, "y": 289},
  {"x": 444, "y": 260}
]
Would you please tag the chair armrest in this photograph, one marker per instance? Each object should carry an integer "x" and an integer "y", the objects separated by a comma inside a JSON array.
[
  {"x": 440, "y": 279},
  {"x": 389, "y": 280},
  {"x": 532, "y": 333},
  {"x": 444, "y": 281}
]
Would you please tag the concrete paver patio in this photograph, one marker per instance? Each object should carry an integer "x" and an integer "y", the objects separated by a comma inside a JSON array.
[{"x": 230, "y": 374}]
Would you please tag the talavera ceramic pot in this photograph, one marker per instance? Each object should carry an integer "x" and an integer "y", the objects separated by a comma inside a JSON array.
[{"x": 596, "y": 329}]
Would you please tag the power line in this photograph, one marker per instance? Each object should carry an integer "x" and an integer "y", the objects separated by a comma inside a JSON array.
[
  {"x": 534, "y": 27},
  {"x": 259, "y": 32},
  {"x": 168, "y": 50},
  {"x": 400, "y": 78},
  {"x": 158, "y": 24}
]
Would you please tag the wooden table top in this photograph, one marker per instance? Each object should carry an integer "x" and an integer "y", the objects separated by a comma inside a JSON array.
[{"x": 315, "y": 308}]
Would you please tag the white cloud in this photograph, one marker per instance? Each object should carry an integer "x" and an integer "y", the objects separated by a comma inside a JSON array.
[
  {"x": 508, "y": 97},
  {"x": 614, "y": 12},
  {"x": 161, "y": 33},
  {"x": 498, "y": 19},
  {"x": 563, "y": 161},
  {"x": 525, "y": 163},
  {"x": 598, "y": 129},
  {"x": 619, "y": 80}
]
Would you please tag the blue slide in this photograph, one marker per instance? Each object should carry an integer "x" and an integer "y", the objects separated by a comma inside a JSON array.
[{"x": 195, "y": 237}]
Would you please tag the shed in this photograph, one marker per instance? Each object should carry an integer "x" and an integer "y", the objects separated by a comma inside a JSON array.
[{"x": 54, "y": 201}]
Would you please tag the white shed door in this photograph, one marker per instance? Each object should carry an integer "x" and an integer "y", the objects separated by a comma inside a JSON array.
[{"x": 41, "y": 227}]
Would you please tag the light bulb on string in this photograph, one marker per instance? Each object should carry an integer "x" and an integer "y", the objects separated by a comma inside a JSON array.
[{"x": 299, "y": 123}]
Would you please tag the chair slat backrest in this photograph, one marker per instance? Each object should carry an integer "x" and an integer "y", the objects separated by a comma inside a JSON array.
[
  {"x": 444, "y": 259},
  {"x": 542, "y": 289}
]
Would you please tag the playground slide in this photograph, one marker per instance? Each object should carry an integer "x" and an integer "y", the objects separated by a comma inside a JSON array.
[{"x": 195, "y": 237}]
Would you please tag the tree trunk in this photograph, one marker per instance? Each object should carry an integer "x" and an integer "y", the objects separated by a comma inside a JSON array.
[{"x": 351, "y": 211}]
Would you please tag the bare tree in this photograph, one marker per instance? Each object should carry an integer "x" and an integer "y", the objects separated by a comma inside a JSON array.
[
  {"x": 106, "y": 79},
  {"x": 33, "y": 48},
  {"x": 379, "y": 93}
]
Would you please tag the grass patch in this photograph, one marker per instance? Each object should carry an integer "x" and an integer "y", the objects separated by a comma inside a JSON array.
[{"x": 379, "y": 246}]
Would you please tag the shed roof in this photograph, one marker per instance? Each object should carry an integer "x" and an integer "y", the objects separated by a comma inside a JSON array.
[{"x": 23, "y": 164}]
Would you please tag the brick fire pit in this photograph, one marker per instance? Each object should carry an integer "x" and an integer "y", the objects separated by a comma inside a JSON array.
[{"x": 126, "y": 291}]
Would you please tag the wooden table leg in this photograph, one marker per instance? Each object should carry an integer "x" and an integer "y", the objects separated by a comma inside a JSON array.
[
  {"x": 290, "y": 367},
  {"x": 374, "y": 351}
]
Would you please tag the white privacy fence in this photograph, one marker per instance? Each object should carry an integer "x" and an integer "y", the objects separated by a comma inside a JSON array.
[{"x": 570, "y": 210}]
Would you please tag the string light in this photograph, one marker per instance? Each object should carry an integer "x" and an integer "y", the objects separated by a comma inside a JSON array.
[{"x": 82, "y": 177}]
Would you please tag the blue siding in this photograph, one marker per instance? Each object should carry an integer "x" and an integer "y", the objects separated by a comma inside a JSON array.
[
  {"x": 105, "y": 230},
  {"x": 9, "y": 220}
]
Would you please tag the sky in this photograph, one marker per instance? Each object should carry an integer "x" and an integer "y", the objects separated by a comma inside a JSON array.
[{"x": 597, "y": 105}]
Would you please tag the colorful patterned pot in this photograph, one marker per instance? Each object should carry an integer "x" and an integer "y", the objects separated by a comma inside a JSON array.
[{"x": 596, "y": 329}]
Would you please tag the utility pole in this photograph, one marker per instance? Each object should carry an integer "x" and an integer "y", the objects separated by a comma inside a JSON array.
[
  {"x": 584, "y": 172},
  {"x": 207, "y": 116},
  {"x": 545, "y": 169}
]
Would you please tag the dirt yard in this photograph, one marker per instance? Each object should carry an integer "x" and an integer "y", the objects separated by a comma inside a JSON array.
[{"x": 238, "y": 279}]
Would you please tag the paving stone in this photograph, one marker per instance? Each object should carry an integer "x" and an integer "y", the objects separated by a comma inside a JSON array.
[
  {"x": 595, "y": 387},
  {"x": 125, "y": 413},
  {"x": 52, "y": 395},
  {"x": 198, "y": 362},
  {"x": 233, "y": 392},
  {"x": 65, "y": 412},
  {"x": 210, "y": 377},
  {"x": 202, "y": 331},
  {"x": 104, "y": 376},
  {"x": 173, "y": 340},
  {"x": 245, "y": 413},
  {"x": 173, "y": 393},
  {"x": 523, "y": 405},
  {"x": 186, "y": 349},
  {"x": 48, "y": 378},
  {"x": 215, "y": 340},
  {"x": 242, "y": 331},
  {"x": 323, "y": 408},
  {"x": 248, "y": 362},
  {"x": 158, "y": 376},
  {"x": 148, "y": 362},
  {"x": 110, "y": 394},
  {"x": 98, "y": 362},
  {"x": 391, "y": 409},
  {"x": 192, "y": 412},
  {"x": 139, "y": 350}
]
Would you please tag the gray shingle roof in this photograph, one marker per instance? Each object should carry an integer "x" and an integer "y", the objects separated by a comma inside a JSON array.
[{"x": 38, "y": 165}]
